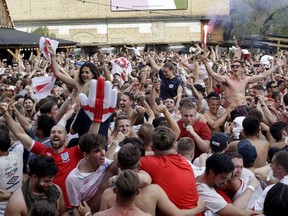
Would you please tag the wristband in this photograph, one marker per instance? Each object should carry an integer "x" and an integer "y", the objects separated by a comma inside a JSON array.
[
  {"x": 88, "y": 213},
  {"x": 251, "y": 187},
  {"x": 267, "y": 179}
]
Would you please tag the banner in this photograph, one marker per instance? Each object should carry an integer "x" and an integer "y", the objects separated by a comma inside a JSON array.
[{"x": 124, "y": 5}]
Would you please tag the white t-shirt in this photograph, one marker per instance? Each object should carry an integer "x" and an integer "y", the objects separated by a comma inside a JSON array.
[
  {"x": 82, "y": 186},
  {"x": 11, "y": 169},
  {"x": 260, "y": 202},
  {"x": 214, "y": 201}
]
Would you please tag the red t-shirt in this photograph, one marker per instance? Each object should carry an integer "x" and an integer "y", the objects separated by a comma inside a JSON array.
[
  {"x": 201, "y": 128},
  {"x": 66, "y": 161},
  {"x": 175, "y": 175}
]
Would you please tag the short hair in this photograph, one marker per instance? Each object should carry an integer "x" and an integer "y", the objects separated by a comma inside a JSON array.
[
  {"x": 46, "y": 107},
  {"x": 88, "y": 142},
  {"x": 268, "y": 85},
  {"x": 281, "y": 159},
  {"x": 276, "y": 201},
  {"x": 128, "y": 156},
  {"x": 163, "y": 138},
  {"x": 24, "y": 82},
  {"x": 122, "y": 116},
  {"x": 169, "y": 65},
  {"x": 232, "y": 155},
  {"x": 93, "y": 68},
  {"x": 145, "y": 133},
  {"x": 29, "y": 98},
  {"x": 277, "y": 128},
  {"x": 258, "y": 87},
  {"x": 127, "y": 183},
  {"x": 42, "y": 166},
  {"x": 187, "y": 106},
  {"x": 256, "y": 113},
  {"x": 251, "y": 125},
  {"x": 238, "y": 61},
  {"x": 134, "y": 141},
  {"x": 129, "y": 95},
  {"x": 45, "y": 123},
  {"x": 185, "y": 146},
  {"x": 5, "y": 140},
  {"x": 44, "y": 207},
  {"x": 219, "y": 163},
  {"x": 185, "y": 100}
]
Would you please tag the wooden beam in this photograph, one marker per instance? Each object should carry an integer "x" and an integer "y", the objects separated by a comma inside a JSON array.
[
  {"x": 277, "y": 45},
  {"x": 277, "y": 39}
]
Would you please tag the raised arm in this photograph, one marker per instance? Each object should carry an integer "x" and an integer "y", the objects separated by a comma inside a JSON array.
[
  {"x": 16, "y": 129},
  {"x": 171, "y": 122},
  {"x": 63, "y": 77},
  {"x": 253, "y": 79},
  {"x": 213, "y": 74},
  {"x": 155, "y": 67}
]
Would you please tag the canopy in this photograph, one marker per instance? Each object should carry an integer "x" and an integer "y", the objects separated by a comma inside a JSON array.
[{"x": 12, "y": 38}]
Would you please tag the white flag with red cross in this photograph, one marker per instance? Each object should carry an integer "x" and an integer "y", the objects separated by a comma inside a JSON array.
[{"x": 101, "y": 101}]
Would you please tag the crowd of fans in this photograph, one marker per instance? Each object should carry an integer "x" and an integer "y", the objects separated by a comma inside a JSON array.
[{"x": 194, "y": 133}]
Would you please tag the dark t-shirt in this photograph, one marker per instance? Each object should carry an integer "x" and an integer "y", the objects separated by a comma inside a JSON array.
[
  {"x": 82, "y": 123},
  {"x": 168, "y": 87}
]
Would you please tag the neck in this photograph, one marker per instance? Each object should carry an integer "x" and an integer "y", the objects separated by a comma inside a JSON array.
[
  {"x": 3, "y": 153},
  {"x": 205, "y": 179},
  {"x": 87, "y": 167},
  {"x": 57, "y": 151},
  {"x": 166, "y": 152},
  {"x": 125, "y": 203},
  {"x": 32, "y": 188}
]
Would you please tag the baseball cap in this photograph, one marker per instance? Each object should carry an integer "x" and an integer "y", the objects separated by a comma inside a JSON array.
[
  {"x": 248, "y": 151},
  {"x": 218, "y": 142}
]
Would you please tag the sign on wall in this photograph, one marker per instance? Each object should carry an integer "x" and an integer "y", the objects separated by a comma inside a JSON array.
[{"x": 123, "y": 5}]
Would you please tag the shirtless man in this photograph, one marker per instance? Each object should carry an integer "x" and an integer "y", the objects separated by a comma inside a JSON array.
[
  {"x": 126, "y": 189},
  {"x": 216, "y": 115},
  {"x": 235, "y": 85},
  {"x": 251, "y": 129},
  {"x": 151, "y": 196}
]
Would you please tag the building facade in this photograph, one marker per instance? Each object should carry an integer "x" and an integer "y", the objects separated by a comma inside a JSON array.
[{"x": 93, "y": 23}]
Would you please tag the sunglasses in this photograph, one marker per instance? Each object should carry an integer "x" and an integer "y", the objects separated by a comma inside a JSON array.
[
  {"x": 256, "y": 65},
  {"x": 235, "y": 66}
]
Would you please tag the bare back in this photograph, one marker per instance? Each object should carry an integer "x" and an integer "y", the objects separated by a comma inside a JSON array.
[
  {"x": 118, "y": 211},
  {"x": 262, "y": 147},
  {"x": 146, "y": 200}
]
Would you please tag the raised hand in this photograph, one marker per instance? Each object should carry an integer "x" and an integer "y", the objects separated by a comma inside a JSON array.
[{"x": 101, "y": 101}]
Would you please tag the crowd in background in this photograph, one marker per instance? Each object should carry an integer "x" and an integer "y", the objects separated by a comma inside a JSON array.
[{"x": 210, "y": 126}]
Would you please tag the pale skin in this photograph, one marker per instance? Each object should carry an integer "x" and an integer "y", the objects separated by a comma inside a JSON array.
[
  {"x": 148, "y": 199},
  {"x": 189, "y": 118},
  {"x": 235, "y": 85}
]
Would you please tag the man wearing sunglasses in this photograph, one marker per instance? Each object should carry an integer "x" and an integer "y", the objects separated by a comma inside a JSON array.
[{"x": 235, "y": 84}]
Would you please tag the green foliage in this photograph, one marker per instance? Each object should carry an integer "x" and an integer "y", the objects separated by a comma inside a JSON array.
[
  {"x": 43, "y": 31},
  {"x": 257, "y": 17}
]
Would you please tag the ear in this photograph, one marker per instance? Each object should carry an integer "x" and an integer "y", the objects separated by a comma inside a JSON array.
[
  {"x": 85, "y": 155},
  {"x": 115, "y": 190},
  {"x": 138, "y": 191},
  {"x": 211, "y": 172}
]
